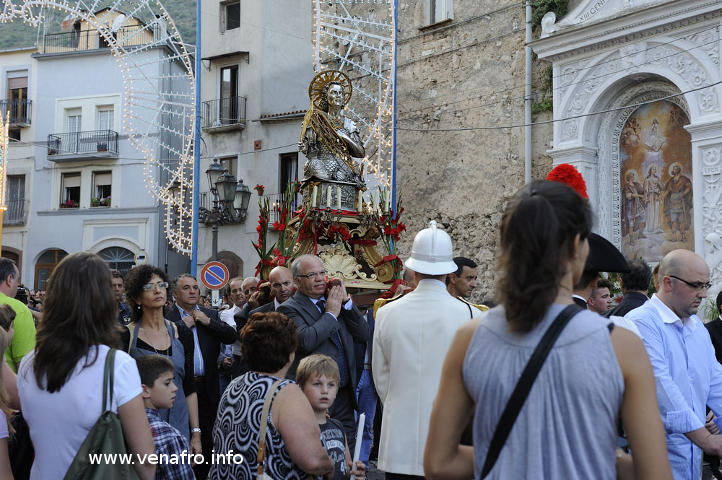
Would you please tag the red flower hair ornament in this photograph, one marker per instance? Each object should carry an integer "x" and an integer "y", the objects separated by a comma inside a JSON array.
[{"x": 568, "y": 175}]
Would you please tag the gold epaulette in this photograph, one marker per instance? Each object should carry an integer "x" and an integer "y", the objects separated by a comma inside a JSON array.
[
  {"x": 380, "y": 302},
  {"x": 483, "y": 308}
]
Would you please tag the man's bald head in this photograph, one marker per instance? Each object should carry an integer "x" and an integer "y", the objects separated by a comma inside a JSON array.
[
  {"x": 683, "y": 280},
  {"x": 249, "y": 286},
  {"x": 676, "y": 261},
  {"x": 281, "y": 283}
]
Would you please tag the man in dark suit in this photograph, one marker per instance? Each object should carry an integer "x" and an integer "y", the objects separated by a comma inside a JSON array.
[
  {"x": 635, "y": 285},
  {"x": 208, "y": 334},
  {"x": 282, "y": 289},
  {"x": 327, "y": 323}
]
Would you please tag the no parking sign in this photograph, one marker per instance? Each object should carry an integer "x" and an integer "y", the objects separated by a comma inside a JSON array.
[{"x": 214, "y": 275}]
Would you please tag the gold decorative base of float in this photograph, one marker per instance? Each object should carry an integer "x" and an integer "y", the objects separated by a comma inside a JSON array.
[
  {"x": 357, "y": 260},
  {"x": 339, "y": 263}
]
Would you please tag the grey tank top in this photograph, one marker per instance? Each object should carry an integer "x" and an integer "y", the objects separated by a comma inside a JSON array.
[{"x": 567, "y": 427}]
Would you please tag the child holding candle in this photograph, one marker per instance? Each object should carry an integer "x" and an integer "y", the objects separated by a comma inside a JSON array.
[{"x": 318, "y": 377}]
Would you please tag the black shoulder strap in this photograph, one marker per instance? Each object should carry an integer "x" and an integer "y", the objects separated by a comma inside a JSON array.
[{"x": 523, "y": 386}]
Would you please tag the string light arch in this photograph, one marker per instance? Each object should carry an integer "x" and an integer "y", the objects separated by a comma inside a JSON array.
[
  {"x": 159, "y": 94},
  {"x": 357, "y": 37}
]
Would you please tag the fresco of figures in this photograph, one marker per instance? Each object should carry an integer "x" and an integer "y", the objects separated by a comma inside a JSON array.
[{"x": 656, "y": 182}]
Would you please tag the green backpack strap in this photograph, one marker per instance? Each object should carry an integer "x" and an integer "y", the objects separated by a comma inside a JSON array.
[{"x": 108, "y": 375}]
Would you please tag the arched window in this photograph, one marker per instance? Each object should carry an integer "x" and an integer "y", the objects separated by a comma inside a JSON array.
[
  {"x": 46, "y": 264},
  {"x": 118, "y": 258}
]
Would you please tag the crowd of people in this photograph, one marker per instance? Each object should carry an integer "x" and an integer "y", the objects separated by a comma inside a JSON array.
[{"x": 554, "y": 381}]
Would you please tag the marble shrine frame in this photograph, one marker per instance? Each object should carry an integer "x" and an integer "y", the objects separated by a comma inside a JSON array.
[{"x": 608, "y": 65}]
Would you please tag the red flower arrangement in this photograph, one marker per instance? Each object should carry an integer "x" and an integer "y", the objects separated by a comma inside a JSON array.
[
  {"x": 281, "y": 252},
  {"x": 259, "y": 188},
  {"x": 567, "y": 174},
  {"x": 391, "y": 227},
  {"x": 338, "y": 230}
]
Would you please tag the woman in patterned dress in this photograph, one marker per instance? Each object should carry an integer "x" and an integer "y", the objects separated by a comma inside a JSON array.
[{"x": 293, "y": 449}]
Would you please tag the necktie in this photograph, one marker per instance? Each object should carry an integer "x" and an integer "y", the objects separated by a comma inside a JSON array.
[{"x": 340, "y": 356}]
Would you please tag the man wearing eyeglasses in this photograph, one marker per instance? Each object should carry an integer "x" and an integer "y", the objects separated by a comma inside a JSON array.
[
  {"x": 686, "y": 371},
  {"x": 327, "y": 323}
]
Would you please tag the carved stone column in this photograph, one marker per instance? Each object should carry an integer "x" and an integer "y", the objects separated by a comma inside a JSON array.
[
  {"x": 707, "y": 185},
  {"x": 583, "y": 159}
]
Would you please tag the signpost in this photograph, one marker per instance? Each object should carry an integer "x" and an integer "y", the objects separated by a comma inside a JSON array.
[{"x": 215, "y": 276}]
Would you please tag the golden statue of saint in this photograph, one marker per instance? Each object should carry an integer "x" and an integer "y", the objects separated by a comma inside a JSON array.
[{"x": 329, "y": 140}]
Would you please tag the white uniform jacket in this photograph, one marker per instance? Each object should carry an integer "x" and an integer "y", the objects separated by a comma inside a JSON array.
[{"x": 411, "y": 338}]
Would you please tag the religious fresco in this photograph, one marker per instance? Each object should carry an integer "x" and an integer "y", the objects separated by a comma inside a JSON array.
[{"x": 655, "y": 155}]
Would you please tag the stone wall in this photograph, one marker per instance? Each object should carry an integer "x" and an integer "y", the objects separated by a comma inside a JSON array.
[{"x": 467, "y": 72}]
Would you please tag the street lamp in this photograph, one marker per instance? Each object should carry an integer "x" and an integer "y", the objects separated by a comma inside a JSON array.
[
  {"x": 226, "y": 187},
  {"x": 241, "y": 198},
  {"x": 175, "y": 189},
  {"x": 230, "y": 201},
  {"x": 214, "y": 172}
]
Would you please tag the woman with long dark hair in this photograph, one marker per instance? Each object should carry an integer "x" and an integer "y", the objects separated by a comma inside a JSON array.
[
  {"x": 60, "y": 382},
  {"x": 149, "y": 333},
  {"x": 567, "y": 427}
]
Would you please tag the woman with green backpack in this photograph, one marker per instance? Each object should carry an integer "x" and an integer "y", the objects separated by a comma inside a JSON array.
[{"x": 61, "y": 383}]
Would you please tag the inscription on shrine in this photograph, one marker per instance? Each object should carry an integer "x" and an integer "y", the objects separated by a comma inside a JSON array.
[{"x": 593, "y": 9}]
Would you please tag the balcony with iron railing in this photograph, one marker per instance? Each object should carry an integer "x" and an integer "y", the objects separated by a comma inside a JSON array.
[
  {"x": 275, "y": 202},
  {"x": 15, "y": 213},
  {"x": 83, "y": 40},
  {"x": 93, "y": 144},
  {"x": 224, "y": 114},
  {"x": 20, "y": 111}
]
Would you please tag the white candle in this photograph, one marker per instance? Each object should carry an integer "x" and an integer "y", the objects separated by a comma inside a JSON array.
[
  {"x": 359, "y": 436},
  {"x": 359, "y": 202},
  {"x": 338, "y": 198},
  {"x": 328, "y": 197},
  {"x": 313, "y": 196}
]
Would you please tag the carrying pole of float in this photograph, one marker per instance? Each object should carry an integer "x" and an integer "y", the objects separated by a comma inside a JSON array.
[
  {"x": 197, "y": 144},
  {"x": 393, "y": 118}
]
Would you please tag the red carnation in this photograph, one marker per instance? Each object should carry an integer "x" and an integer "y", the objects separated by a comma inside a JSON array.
[{"x": 567, "y": 174}]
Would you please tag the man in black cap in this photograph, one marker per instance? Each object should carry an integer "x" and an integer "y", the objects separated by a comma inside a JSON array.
[{"x": 603, "y": 257}]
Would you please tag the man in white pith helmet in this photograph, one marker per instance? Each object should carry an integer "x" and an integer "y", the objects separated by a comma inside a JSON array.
[{"x": 411, "y": 338}]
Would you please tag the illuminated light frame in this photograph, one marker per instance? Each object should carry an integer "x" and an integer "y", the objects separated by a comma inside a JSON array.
[
  {"x": 330, "y": 28},
  {"x": 142, "y": 133},
  {"x": 4, "y": 135}
]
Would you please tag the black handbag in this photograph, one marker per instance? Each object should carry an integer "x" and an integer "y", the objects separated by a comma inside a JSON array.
[
  {"x": 20, "y": 448},
  {"x": 523, "y": 386}
]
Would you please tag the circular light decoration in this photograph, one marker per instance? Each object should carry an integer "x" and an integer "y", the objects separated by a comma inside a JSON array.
[
  {"x": 357, "y": 38},
  {"x": 159, "y": 93}
]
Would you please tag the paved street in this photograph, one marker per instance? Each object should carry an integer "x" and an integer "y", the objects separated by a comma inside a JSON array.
[{"x": 374, "y": 474}]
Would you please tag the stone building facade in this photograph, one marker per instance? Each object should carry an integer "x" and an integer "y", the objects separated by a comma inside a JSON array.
[{"x": 463, "y": 70}]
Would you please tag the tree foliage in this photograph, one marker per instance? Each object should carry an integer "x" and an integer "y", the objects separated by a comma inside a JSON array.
[{"x": 541, "y": 7}]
